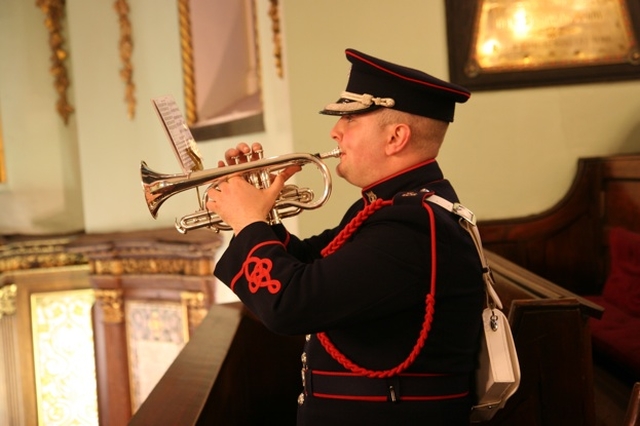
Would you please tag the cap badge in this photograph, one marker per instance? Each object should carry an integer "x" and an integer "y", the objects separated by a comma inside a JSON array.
[{"x": 367, "y": 99}]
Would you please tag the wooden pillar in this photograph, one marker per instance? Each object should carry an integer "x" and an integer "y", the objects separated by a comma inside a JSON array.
[
  {"x": 135, "y": 276},
  {"x": 114, "y": 401}
]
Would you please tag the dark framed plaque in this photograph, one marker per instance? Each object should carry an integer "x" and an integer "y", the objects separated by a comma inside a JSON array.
[{"x": 503, "y": 44}]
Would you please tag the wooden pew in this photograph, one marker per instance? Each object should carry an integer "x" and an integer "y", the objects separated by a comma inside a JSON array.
[
  {"x": 234, "y": 371},
  {"x": 632, "y": 416},
  {"x": 568, "y": 243},
  {"x": 550, "y": 328}
]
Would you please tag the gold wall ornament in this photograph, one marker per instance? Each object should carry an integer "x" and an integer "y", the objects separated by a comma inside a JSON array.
[
  {"x": 8, "y": 300},
  {"x": 274, "y": 14},
  {"x": 151, "y": 265},
  {"x": 149, "y": 253},
  {"x": 188, "y": 70},
  {"x": 54, "y": 12},
  {"x": 193, "y": 301},
  {"x": 112, "y": 305},
  {"x": 64, "y": 357},
  {"x": 126, "y": 50},
  {"x": 3, "y": 172},
  {"x": 31, "y": 254}
]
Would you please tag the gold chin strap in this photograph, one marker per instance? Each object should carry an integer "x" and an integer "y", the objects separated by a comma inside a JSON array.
[{"x": 366, "y": 99}]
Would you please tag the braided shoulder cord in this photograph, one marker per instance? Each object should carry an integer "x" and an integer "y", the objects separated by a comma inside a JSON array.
[
  {"x": 340, "y": 239},
  {"x": 352, "y": 226}
]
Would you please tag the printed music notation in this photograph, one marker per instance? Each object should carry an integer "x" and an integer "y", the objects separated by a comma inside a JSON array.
[{"x": 184, "y": 145}]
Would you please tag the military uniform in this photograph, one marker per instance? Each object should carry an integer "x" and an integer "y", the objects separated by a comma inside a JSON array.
[
  {"x": 369, "y": 296},
  {"x": 390, "y": 300}
]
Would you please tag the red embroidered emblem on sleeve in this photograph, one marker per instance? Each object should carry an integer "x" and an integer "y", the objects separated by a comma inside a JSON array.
[
  {"x": 257, "y": 272},
  {"x": 260, "y": 275}
]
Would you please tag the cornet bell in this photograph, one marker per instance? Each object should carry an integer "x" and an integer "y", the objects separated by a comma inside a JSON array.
[{"x": 156, "y": 189}]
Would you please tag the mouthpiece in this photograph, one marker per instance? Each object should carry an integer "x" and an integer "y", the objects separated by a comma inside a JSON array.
[{"x": 335, "y": 153}]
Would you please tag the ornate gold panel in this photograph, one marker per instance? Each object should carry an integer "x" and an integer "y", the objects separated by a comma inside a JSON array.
[
  {"x": 156, "y": 332},
  {"x": 64, "y": 358},
  {"x": 51, "y": 333},
  {"x": 8, "y": 300},
  {"x": 111, "y": 303},
  {"x": 29, "y": 255}
]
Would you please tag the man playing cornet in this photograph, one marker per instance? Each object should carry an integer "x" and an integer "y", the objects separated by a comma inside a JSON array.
[{"x": 390, "y": 299}]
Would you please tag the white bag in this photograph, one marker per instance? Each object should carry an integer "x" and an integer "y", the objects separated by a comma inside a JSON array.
[{"x": 498, "y": 373}]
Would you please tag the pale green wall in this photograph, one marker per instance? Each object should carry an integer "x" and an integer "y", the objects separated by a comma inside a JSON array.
[
  {"x": 42, "y": 192},
  {"x": 509, "y": 153}
]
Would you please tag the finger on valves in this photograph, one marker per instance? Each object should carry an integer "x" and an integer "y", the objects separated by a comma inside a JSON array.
[
  {"x": 258, "y": 152},
  {"x": 235, "y": 159}
]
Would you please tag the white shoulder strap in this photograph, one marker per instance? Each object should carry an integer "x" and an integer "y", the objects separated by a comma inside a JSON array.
[{"x": 468, "y": 222}]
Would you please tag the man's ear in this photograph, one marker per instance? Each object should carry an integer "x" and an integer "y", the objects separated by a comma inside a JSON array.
[{"x": 398, "y": 138}]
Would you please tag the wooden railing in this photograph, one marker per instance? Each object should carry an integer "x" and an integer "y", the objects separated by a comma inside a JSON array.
[{"x": 232, "y": 372}]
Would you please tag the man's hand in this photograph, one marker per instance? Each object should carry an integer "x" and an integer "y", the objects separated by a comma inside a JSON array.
[{"x": 239, "y": 203}]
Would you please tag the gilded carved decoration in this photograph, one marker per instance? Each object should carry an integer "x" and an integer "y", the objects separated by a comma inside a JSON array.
[
  {"x": 143, "y": 257},
  {"x": 8, "y": 300},
  {"x": 126, "y": 50},
  {"x": 112, "y": 305},
  {"x": 54, "y": 11},
  {"x": 151, "y": 265},
  {"x": 152, "y": 257},
  {"x": 64, "y": 357},
  {"x": 38, "y": 254},
  {"x": 194, "y": 304},
  {"x": 188, "y": 70},
  {"x": 3, "y": 172},
  {"x": 274, "y": 14}
]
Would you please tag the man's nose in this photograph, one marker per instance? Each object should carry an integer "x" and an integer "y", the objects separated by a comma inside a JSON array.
[{"x": 335, "y": 132}]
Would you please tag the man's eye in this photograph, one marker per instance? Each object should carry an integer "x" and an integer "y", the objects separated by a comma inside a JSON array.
[{"x": 348, "y": 118}]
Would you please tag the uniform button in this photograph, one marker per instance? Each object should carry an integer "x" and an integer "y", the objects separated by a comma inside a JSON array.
[
  {"x": 301, "y": 399},
  {"x": 307, "y": 337},
  {"x": 303, "y": 357}
]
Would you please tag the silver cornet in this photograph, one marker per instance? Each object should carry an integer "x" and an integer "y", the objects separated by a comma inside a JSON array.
[{"x": 291, "y": 201}]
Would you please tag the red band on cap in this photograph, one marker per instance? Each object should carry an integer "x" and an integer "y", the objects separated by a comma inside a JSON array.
[{"x": 424, "y": 83}]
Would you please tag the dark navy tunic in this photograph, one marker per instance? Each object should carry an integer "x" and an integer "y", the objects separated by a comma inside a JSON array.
[{"x": 368, "y": 299}]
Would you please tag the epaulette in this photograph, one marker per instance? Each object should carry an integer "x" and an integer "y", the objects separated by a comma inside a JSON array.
[
  {"x": 423, "y": 195},
  {"x": 412, "y": 197}
]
